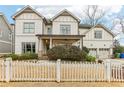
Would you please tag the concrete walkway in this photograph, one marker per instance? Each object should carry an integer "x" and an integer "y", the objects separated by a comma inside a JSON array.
[{"x": 118, "y": 61}]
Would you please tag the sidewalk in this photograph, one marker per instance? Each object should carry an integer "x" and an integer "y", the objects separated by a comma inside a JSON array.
[{"x": 62, "y": 84}]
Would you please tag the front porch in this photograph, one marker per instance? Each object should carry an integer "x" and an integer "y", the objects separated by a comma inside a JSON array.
[{"x": 46, "y": 42}]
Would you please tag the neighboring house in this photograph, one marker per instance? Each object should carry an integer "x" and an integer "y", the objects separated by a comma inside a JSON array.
[
  {"x": 5, "y": 35},
  {"x": 34, "y": 33},
  {"x": 13, "y": 37}
]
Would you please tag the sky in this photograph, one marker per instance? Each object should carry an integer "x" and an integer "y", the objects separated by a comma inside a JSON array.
[{"x": 49, "y": 11}]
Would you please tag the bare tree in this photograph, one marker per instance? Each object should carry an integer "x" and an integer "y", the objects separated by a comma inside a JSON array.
[
  {"x": 116, "y": 43},
  {"x": 118, "y": 21},
  {"x": 93, "y": 15},
  {"x": 121, "y": 22}
]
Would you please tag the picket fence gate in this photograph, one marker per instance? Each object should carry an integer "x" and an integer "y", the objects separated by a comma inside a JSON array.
[{"x": 60, "y": 71}]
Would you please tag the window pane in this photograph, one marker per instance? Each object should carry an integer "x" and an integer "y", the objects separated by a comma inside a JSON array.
[
  {"x": 31, "y": 30},
  {"x": 49, "y": 31},
  {"x": 98, "y": 34},
  {"x": 26, "y": 30},
  {"x": 28, "y": 47},
  {"x": 29, "y": 27},
  {"x": 26, "y": 25},
  {"x": 32, "y": 25},
  {"x": 65, "y": 29}
]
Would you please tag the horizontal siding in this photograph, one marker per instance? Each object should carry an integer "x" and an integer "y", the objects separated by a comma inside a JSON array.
[
  {"x": 65, "y": 20},
  {"x": 5, "y": 48},
  {"x": 5, "y": 30}
]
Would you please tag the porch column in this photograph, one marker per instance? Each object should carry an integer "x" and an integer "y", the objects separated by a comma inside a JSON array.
[
  {"x": 111, "y": 51},
  {"x": 81, "y": 43},
  {"x": 40, "y": 48},
  {"x": 97, "y": 55},
  {"x": 50, "y": 46}
]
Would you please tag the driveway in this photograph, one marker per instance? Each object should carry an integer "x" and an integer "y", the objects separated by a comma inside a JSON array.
[{"x": 117, "y": 61}]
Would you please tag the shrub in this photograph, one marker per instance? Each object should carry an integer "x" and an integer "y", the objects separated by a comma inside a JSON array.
[
  {"x": 90, "y": 58},
  {"x": 13, "y": 56},
  {"x": 118, "y": 49},
  {"x": 116, "y": 55},
  {"x": 26, "y": 56},
  {"x": 72, "y": 53},
  {"x": 85, "y": 49},
  {"x": 58, "y": 52}
]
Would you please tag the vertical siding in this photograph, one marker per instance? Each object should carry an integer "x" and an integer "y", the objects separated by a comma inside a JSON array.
[
  {"x": 20, "y": 36},
  {"x": 105, "y": 35},
  {"x": 91, "y": 42},
  {"x": 65, "y": 20}
]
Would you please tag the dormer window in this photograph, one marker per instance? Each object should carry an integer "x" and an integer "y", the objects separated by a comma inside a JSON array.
[
  {"x": 29, "y": 27},
  {"x": 98, "y": 34},
  {"x": 65, "y": 29},
  {"x": 49, "y": 31}
]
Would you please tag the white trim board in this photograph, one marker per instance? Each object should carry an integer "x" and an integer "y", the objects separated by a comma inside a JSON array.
[{"x": 5, "y": 42}]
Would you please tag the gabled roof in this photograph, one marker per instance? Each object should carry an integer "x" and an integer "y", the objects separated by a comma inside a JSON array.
[
  {"x": 65, "y": 12},
  {"x": 100, "y": 25},
  {"x": 85, "y": 26},
  {"x": 1, "y": 14},
  {"x": 27, "y": 8}
]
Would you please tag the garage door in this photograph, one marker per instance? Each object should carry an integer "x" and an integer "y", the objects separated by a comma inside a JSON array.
[
  {"x": 103, "y": 53},
  {"x": 92, "y": 51}
]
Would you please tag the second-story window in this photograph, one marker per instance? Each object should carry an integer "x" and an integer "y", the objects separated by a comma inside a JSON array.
[
  {"x": 29, "y": 27},
  {"x": 98, "y": 34},
  {"x": 65, "y": 29},
  {"x": 49, "y": 31}
]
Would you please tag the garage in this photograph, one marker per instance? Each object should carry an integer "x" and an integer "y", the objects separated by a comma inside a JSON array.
[
  {"x": 93, "y": 52},
  {"x": 103, "y": 53}
]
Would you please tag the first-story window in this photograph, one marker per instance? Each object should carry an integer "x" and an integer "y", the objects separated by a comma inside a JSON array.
[{"x": 28, "y": 47}]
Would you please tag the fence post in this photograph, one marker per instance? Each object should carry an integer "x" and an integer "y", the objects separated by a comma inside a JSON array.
[
  {"x": 7, "y": 64},
  {"x": 58, "y": 67},
  {"x": 108, "y": 70}
]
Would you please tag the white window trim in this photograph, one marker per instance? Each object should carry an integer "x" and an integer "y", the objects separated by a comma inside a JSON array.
[
  {"x": 26, "y": 48},
  {"x": 66, "y": 31},
  {"x": 28, "y": 32}
]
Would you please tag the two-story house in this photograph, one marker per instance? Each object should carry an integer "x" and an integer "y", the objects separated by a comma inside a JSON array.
[
  {"x": 35, "y": 33},
  {"x": 5, "y": 35}
]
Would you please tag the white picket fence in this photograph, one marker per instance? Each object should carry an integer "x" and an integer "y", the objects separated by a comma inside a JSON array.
[{"x": 59, "y": 71}]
